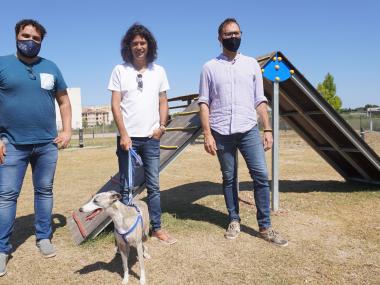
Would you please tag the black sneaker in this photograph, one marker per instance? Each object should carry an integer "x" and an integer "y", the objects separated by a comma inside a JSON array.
[
  {"x": 233, "y": 230},
  {"x": 273, "y": 237}
]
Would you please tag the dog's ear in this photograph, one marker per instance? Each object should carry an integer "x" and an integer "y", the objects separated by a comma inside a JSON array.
[{"x": 115, "y": 197}]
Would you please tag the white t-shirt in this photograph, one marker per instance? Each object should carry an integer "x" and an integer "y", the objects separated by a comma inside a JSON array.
[{"x": 139, "y": 106}]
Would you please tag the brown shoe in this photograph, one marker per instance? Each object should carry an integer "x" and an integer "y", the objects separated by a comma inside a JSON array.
[{"x": 164, "y": 237}]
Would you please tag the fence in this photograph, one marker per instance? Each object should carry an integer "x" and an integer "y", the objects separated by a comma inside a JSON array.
[{"x": 356, "y": 121}]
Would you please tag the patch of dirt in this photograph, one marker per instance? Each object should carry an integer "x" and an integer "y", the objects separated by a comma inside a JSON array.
[{"x": 333, "y": 227}]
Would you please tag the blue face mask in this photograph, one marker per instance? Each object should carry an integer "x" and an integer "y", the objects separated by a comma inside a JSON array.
[{"x": 28, "y": 48}]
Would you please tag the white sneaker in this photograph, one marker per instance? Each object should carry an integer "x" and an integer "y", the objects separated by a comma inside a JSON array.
[
  {"x": 46, "y": 248},
  {"x": 233, "y": 230},
  {"x": 3, "y": 264}
]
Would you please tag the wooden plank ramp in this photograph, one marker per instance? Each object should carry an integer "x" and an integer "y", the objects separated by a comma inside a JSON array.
[{"x": 184, "y": 127}]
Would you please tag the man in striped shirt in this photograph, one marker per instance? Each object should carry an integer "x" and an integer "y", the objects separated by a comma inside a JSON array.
[{"x": 231, "y": 96}]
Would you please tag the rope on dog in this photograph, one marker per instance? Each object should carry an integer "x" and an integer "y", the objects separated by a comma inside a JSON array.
[
  {"x": 130, "y": 179},
  {"x": 139, "y": 219},
  {"x": 139, "y": 162}
]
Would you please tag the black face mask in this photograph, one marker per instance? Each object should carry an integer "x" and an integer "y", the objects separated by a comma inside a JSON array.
[{"x": 231, "y": 44}]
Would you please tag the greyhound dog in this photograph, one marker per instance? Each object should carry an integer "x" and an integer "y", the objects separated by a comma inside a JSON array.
[{"x": 131, "y": 226}]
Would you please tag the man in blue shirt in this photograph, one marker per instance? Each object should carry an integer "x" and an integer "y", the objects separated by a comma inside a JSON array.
[
  {"x": 29, "y": 86},
  {"x": 231, "y": 95}
]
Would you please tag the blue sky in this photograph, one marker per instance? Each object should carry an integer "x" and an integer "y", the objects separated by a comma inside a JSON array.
[{"x": 340, "y": 37}]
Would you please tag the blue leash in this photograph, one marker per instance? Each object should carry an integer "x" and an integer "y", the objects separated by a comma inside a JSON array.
[{"x": 138, "y": 160}]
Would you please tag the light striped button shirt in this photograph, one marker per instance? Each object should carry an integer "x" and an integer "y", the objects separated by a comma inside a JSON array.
[{"x": 232, "y": 90}]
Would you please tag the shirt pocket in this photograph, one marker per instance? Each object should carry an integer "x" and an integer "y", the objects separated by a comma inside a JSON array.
[{"x": 47, "y": 81}]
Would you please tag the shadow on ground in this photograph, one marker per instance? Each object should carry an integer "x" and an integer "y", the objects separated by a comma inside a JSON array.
[
  {"x": 24, "y": 228},
  {"x": 114, "y": 266},
  {"x": 179, "y": 201}
]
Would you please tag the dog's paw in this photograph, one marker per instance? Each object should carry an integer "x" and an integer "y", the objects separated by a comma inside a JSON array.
[
  {"x": 147, "y": 255},
  {"x": 125, "y": 279}
]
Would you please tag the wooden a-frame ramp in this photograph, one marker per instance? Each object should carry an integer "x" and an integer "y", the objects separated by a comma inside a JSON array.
[
  {"x": 183, "y": 128},
  {"x": 301, "y": 106}
]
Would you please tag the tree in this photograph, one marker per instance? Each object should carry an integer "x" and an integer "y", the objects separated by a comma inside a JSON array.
[
  {"x": 328, "y": 90},
  {"x": 370, "y": 106}
]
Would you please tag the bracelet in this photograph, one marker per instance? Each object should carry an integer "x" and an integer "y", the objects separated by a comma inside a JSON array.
[{"x": 267, "y": 131}]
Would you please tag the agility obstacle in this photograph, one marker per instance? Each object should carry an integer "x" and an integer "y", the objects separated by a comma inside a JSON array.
[{"x": 295, "y": 100}]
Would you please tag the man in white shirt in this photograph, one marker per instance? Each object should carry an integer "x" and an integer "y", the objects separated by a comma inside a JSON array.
[{"x": 140, "y": 110}]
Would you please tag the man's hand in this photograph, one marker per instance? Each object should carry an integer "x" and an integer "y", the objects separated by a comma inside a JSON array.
[
  {"x": 63, "y": 139},
  {"x": 267, "y": 140},
  {"x": 210, "y": 145},
  {"x": 157, "y": 133},
  {"x": 3, "y": 152},
  {"x": 125, "y": 142}
]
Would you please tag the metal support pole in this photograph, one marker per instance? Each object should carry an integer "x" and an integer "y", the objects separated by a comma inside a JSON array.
[
  {"x": 362, "y": 133},
  {"x": 275, "y": 148},
  {"x": 80, "y": 134}
]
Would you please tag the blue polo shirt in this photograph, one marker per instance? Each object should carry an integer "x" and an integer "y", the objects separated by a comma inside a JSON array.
[{"x": 27, "y": 94}]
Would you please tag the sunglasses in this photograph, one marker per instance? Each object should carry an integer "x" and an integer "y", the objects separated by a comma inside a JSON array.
[
  {"x": 31, "y": 74},
  {"x": 139, "y": 82}
]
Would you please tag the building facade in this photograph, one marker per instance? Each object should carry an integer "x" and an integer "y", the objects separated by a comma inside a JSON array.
[
  {"x": 97, "y": 116},
  {"x": 76, "y": 109}
]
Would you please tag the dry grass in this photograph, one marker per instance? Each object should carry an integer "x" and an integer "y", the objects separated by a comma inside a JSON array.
[{"x": 333, "y": 227}]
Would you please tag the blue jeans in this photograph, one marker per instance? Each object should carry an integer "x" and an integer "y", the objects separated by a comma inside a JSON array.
[
  {"x": 250, "y": 146},
  {"x": 43, "y": 160},
  {"x": 149, "y": 150}
]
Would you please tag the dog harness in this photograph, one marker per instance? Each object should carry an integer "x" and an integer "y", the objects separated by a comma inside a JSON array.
[{"x": 135, "y": 224}]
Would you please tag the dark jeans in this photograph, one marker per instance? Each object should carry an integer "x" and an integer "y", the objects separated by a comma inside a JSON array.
[
  {"x": 250, "y": 146},
  {"x": 43, "y": 159},
  {"x": 149, "y": 150}
]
